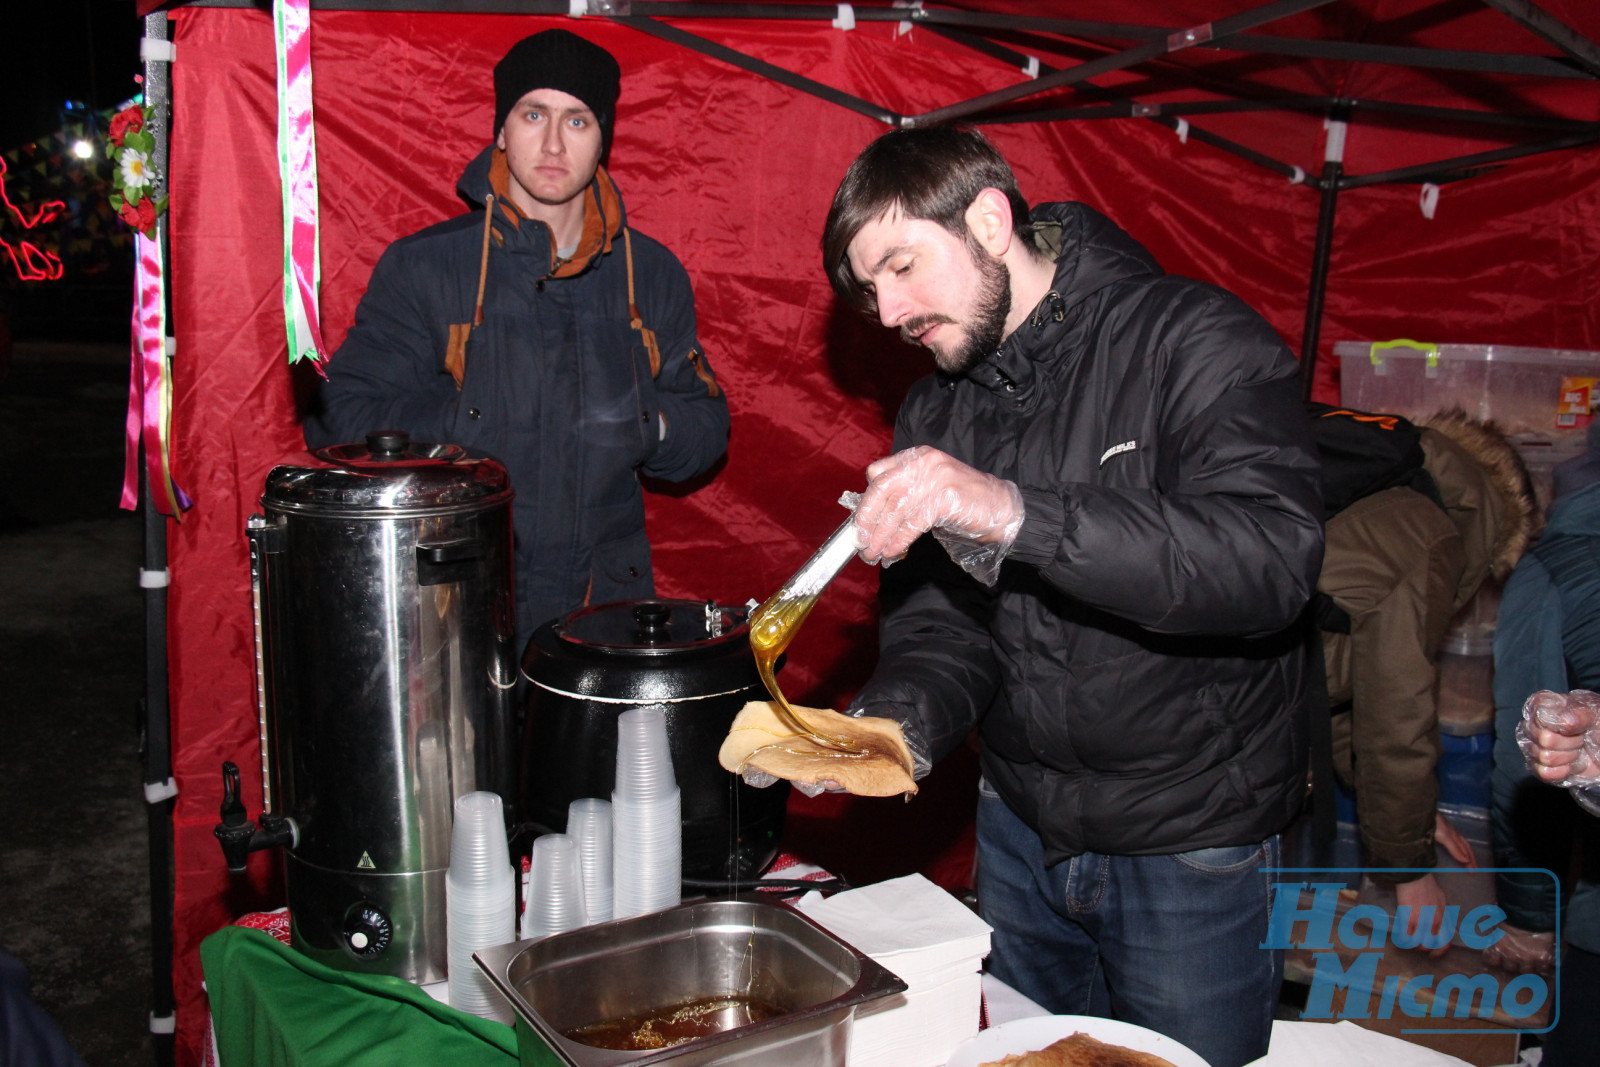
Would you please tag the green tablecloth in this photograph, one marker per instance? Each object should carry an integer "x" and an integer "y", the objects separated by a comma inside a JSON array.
[{"x": 272, "y": 1006}]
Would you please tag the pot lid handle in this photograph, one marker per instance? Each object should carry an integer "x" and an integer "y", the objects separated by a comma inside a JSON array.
[
  {"x": 652, "y": 619},
  {"x": 388, "y": 444}
]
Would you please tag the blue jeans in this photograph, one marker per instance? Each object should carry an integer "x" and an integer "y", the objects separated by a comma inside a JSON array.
[{"x": 1170, "y": 943}]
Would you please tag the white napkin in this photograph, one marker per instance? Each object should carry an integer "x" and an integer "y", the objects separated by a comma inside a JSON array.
[
  {"x": 935, "y": 944},
  {"x": 1344, "y": 1044}
]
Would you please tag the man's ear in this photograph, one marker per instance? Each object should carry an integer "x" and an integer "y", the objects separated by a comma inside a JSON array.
[{"x": 989, "y": 219}]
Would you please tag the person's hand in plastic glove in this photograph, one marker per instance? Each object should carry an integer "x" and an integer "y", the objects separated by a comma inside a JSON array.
[
  {"x": 1522, "y": 951},
  {"x": 1559, "y": 736},
  {"x": 922, "y": 489}
]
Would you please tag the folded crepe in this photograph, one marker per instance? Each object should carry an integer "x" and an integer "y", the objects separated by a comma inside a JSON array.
[
  {"x": 1081, "y": 1050},
  {"x": 759, "y": 739}
]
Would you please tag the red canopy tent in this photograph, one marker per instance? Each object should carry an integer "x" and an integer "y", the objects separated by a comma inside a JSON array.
[{"x": 734, "y": 127}]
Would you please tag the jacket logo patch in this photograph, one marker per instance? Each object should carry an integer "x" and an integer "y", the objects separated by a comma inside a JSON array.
[{"x": 1126, "y": 446}]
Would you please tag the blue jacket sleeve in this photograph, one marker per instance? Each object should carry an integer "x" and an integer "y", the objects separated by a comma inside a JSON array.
[
  {"x": 688, "y": 395},
  {"x": 389, "y": 373}
]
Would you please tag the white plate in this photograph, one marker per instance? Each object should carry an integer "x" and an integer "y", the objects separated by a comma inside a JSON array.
[{"x": 1030, "y": 1035}]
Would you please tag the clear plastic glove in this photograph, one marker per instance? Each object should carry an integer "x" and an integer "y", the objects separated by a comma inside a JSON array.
[
  {"x": 1522, "y": 951},
  {"x": 921, "y": 764},
  {"x": 1559, "y": 737},
  {"x": 975, "y": 515}
]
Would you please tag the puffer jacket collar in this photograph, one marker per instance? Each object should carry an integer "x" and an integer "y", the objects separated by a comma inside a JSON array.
[
  {"x": 1091, "y": 252},
  {"x": 603, "y": 216}
]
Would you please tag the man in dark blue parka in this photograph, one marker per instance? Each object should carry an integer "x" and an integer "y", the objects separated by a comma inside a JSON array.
[{"x": 543, "y": 331}]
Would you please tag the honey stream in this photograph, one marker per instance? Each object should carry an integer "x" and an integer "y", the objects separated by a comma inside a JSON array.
[{"x": 772, "y": 626}]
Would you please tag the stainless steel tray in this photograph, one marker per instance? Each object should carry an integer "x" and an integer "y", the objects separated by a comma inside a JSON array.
[{"x": 744, "y": 946}]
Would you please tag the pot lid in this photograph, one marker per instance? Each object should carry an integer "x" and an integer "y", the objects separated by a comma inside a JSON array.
[
  {"x": 389, "y": 472},
  {"x": 653, "y": 626}
]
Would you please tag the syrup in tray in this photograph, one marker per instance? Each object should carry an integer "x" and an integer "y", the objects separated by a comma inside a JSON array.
[{"x": 666, "y": 1027}]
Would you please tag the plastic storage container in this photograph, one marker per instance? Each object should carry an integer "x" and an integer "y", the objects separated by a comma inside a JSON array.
[{"x": 1530, "y": 392}]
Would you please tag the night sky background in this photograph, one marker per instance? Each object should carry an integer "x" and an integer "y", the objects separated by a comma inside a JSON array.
[
  {"x": 52, "y": 52},
  {"x": 58, "y": 50}
]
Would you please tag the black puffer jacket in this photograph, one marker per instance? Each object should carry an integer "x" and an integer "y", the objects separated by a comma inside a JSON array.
[
  {"x": 553, "y": 382},
  {"x": 1139, "y": 668}
]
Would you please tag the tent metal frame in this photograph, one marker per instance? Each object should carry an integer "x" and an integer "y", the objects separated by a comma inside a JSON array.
[{"x": 1578, "y": 58}]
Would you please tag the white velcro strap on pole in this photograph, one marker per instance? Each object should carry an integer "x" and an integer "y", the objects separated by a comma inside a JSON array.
[
  {"x": 163, "y": 1024},
  {"x": 155, "y": 50},
  {"x": 156, "y": 792},
  {"x": 846, "y": 19},
  {"x": 904, "y": 27},
  {"x": 1334, "y": 150},
  {"x": 1182, "y": 129},
  {"x": 1299, "y": 176},
  {"x": 576, "y": 9},
  {"x": 1430, "y": 199},
  {"x": 154, "y": 579},
  {"x": 1031, "y": 68}
]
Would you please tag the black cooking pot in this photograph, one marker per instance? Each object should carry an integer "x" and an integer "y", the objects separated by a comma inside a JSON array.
[{"x": 692, "y": 660}]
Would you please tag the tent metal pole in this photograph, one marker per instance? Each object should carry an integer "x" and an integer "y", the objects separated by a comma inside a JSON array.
[
  {"x": 1322, "y": 251},
  {"x": 738, "y": 59},
  {"x": 1444, "y": 169},
  {"x": 156, "y": 715},
  {"x": 1121, "y": 60},
  {"x": 1552, "y": 29}
]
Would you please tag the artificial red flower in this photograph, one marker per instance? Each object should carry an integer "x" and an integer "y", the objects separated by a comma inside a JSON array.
[
  {"x": 140, "y": 216},
  {"x": 129, "y": 120}
]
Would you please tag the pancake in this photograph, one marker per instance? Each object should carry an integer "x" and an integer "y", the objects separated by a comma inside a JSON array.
[
  {"x": 1081, "y": 1050},
  {"x": 881, "y": 769}
]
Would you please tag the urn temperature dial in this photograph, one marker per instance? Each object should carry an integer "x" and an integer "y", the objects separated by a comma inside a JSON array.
[{"x": 368, "y": 931}]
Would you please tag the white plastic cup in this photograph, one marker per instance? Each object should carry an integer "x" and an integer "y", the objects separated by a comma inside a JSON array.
[
  {"x": 555, "y": 884},
  {"x": 480, "y": 901},
  {"x": 589, "y": 824},
  {"x": 478, "y": 846},
  {"x": 646, "y": 854},
  {"x": 644, "y": 760}
]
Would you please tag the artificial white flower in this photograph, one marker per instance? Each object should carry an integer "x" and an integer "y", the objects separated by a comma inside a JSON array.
[{"x": 136, "y": 172}]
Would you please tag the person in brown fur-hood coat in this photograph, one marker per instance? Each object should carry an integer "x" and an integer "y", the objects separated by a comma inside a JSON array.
[{"x": 1401, "y": 566}]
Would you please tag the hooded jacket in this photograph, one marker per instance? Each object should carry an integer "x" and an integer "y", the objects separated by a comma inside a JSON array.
[
  {"x": 1401, "y": 566},
  {"x": 1138, "y": 670},
  {"x": 476, "y": 332}
]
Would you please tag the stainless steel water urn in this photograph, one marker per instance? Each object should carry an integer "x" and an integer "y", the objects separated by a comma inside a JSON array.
[{"x": 386, "y": 669}]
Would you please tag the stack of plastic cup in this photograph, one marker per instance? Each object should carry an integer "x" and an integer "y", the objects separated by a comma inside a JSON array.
[
  {"x": 555, "y": 887},
  {"x": 646, "y": 818},
  {"x": 480, "y": 901},
  {"x": 589, "y": 824}
]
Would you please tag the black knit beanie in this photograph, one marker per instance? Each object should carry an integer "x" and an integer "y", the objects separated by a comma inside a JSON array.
[{"x": 561, "y": 60}]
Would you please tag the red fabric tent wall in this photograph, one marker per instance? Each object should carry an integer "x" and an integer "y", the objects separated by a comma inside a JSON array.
[{"x": 734, "y": 173}]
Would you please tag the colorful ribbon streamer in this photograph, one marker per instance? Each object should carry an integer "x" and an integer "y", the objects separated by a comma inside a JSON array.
[
  {"x": 297, "y": 172},
  {"x": 150, "y": 387}
]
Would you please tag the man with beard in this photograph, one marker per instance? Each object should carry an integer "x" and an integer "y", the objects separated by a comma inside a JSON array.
[{"x": 1124, "y": 503}]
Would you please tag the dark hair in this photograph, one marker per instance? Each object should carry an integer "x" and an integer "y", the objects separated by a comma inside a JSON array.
[{"x": 934, "y": 174}]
